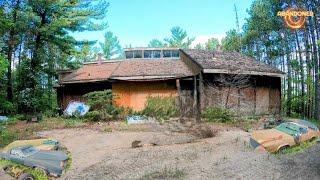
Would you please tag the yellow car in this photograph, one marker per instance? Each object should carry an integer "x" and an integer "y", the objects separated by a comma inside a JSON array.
[
  {"x": 283, "y": 136},
  {"x": 42, "y": 144}
]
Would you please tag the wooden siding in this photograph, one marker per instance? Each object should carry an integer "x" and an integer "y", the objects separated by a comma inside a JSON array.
[
  {"x": 134, "y": 94},
  {"x": 261, "y": 97}
]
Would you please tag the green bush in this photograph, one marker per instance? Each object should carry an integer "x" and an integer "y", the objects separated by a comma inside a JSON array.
[
  {"x": 6, "y": 107},
  {"x": 98, "y": 100},
  {"x": 101, "y": 107},
  {"x": 93, "y": 116},
  {"x": 7, "y": 136},
  {"x": 162, "y": 108},
  {"x": 217, "y": 114}
]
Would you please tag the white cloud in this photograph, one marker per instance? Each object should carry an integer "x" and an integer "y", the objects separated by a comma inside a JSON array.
[{"x": 202, "y": 39}]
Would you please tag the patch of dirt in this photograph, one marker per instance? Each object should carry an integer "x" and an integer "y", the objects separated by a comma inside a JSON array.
[{"x": 99, "y": 155}]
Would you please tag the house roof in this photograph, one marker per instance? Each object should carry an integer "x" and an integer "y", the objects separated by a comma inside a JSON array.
[
  {"x": 91, "y": 72},
  {"x": 230, "y": 62},
  {"x": 150, "y": 69},
  {"x": 168, "y": 68},
  {"x": 133, "y": 69}
]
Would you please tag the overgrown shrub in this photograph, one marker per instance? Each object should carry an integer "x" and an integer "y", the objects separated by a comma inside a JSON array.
[
  {"x": 101, "y": 107},
  {"x": 6, "y": 136},
  {"x": 162, "y": 108},
  {"x": 6, "y": 107},
  {"x": 97, "y": 100},
  {"x": 93, "y": 116},
  {"x": 217, "y": 114}
]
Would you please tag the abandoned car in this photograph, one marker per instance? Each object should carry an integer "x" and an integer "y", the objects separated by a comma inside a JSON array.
[
  {"x": 41, "y": 144},
  {"x": 50, "y": 162},
  {"x": 283, "y": 136}
]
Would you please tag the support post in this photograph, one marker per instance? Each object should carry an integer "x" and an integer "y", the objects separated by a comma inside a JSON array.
[
  {"x": 201, "y": 96},
  {"x": 179, "y": 100},
  {"x": 195, "y": 99}
]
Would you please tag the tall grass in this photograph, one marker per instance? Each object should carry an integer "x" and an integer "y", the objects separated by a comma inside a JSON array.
[{"x": 162, "y": 108}]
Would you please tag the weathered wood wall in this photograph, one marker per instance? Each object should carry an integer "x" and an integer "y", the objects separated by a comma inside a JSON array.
[{"x": 261, "y": 96}]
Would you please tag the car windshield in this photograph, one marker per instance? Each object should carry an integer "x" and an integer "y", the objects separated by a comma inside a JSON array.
[
  {"x": 308, "y": 124},
  {"x": 29, "y": 151},
  {"x": 289, "y": 128}
]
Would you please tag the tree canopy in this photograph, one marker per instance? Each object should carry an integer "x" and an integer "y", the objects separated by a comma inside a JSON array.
[{"x": 111, "y": 47}]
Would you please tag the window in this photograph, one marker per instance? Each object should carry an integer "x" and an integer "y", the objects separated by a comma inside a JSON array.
[
  {"x": 170, "y": 53},
  {"x": 137, "y": 54},
  {"x": 152, "y": 53},
  {"x": 175, "y": 53},
  {"x": 166, "y": 53},
  {"x": 147, "y": 54},
  {"x": 156, "y": 54},
  {"x": 129, "y": 54}
]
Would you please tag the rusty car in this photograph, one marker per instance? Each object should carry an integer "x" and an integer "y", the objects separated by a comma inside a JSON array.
[{"x": 283, "y": 136}]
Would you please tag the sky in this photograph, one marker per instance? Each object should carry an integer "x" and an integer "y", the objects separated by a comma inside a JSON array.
[{"x": 136, "y": 22}]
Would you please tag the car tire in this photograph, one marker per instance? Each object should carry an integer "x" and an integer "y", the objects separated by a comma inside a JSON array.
[
  {"x": 7, "y": 168},
  {"x": 45, "y": 172},
  {"x": 26, "y": 176},
  {"x": 312, "y": 139},
  {"x": 281, "y": 149}
]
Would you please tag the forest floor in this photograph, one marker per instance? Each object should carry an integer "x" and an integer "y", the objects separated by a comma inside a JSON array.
[{"x": 170, "y": 153}]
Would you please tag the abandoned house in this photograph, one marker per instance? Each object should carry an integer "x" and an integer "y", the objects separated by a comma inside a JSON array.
[{"x": 198, "y": 78}]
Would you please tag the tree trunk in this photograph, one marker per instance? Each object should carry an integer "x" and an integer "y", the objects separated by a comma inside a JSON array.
[
  {"x": 289, "y": 81},
  {"x": 302, "y": 80}
]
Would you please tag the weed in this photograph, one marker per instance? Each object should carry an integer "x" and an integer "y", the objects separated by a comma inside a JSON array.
[
  {"x": 7, "y": 137},
  {"x": 37, "y": 174},
  {"x": 166, "y": 173},
  {"x": 107, "y": 129},
  {"x": 69, "y": 162},
  {"x": 217, "y": 114},
  {"x": 205, "y": 132},
  {"x": 300, "y": 147},
  {"x": 162, "y": 108}
]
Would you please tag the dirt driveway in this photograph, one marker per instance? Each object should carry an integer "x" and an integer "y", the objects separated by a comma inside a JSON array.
[{"x": 99, "y": 155}]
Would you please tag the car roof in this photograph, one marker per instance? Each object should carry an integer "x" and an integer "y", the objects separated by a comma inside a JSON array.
[{"x": 22, "y": 147}]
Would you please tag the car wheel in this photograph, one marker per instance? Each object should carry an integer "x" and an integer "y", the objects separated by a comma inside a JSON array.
[
  {"x": 25, "y": 176},
  {"x": 45, "y": 172},
  {"x": 7, "y": 168},
  {"x": 282, "y": 149},
  {"x": 312, "y": 139}
]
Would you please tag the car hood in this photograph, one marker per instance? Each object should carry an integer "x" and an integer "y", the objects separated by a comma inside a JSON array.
[
  {"x": 263, "y": 136},
  {"x": 49, "y": 156}
]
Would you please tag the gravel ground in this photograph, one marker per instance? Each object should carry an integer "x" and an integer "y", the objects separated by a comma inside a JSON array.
[{"x": 98, "y": 155}]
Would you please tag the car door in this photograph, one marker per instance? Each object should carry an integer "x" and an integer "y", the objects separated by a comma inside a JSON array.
[{"x": 305, "y": 134}]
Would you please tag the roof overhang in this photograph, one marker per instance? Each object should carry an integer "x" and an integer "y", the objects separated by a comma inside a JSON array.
[
  {"x": 128, "y": 78},
  {"x": 225, "y": 71},
  {"x": 83, "y": 81}
]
